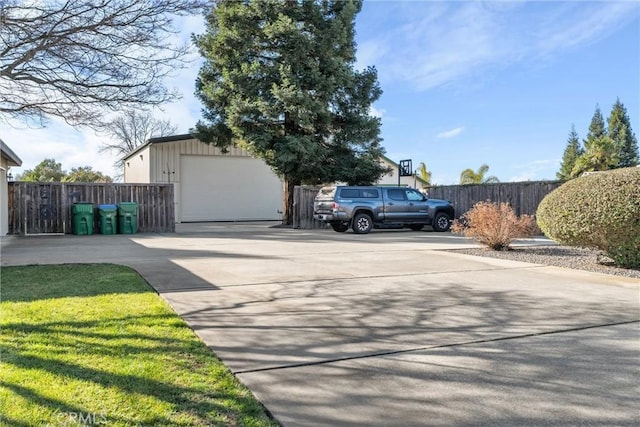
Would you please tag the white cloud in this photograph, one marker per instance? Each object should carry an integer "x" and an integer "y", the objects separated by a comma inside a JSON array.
[
  {"x": 531, "y": 171},
  {"x": 369, "y": 52},
  {"x": 68, "y": 146},
  {"x": 443, "y": 42},
  {"x": 586, "y": 25},
  {"x": 450, "y": 133},
  {"x": 375, "y": 112}
]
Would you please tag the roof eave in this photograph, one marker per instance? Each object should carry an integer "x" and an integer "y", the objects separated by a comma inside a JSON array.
[
  {"x": 159, "y": 140},
  {"x": 13, "y": 159}
]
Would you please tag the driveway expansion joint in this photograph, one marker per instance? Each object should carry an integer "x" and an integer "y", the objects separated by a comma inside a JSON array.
[
  {"x": 379, "y": 276},
  {"x": 433, "y": 347}
]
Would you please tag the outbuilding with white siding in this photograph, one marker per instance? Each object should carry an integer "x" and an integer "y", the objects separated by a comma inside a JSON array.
[{"x": 209, "y": 185}]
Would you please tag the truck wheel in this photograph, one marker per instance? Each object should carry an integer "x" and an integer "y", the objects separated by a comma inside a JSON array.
[
  {"x": 340, "y": 227},
  {"x": 416, "y": 227},
  {"x": 362, "y": 223},
  {"x": 441, "y": 222}
]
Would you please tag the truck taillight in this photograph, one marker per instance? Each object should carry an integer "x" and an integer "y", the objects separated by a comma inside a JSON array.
[{"x": 335, "y": 206}]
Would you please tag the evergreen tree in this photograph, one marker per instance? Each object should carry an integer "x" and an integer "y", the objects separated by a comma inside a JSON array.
[
  {"x": 600, "y": 156},
  {"x": 572, "y": 153},
  {"x": 597, "y": 129},
  {"x": 279, "y": 80},
  {"x": 624, "y": 140},
  {"x": 599, "y": 151}
]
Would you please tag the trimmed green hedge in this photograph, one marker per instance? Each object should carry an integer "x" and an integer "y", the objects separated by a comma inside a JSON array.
[{"x": 600, "y": 210}]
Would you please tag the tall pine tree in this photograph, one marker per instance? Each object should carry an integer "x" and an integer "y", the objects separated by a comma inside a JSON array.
[
  {"x": 599, "y": 152},
  {"x": 279, "y": 80},
  {"x": 572, "y": 153},
  {"x": 597, "y": 129},
  {"x": 624, "y": 140}
]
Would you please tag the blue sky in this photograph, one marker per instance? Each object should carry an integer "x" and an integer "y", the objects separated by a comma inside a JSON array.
[{"x": 465, "y": 83}]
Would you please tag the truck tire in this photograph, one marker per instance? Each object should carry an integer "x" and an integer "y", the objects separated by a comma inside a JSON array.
[
  {"x": 340, "y": 227},
  {"x": 441, "y": 222},
  {"x": 362, "y": 223}
]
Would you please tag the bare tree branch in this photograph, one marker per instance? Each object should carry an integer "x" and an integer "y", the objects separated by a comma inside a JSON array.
[
  {"x": 79, "y": 60},
  {"x": 130, "y": 130}
]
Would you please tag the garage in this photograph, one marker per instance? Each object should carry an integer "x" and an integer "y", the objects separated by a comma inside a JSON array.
[
  {"x": 209, "y": 183},
  {"x": 228, "y": 189}
]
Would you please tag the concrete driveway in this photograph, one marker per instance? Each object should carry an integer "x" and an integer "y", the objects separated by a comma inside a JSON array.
[{"x": 332, "y": 329}]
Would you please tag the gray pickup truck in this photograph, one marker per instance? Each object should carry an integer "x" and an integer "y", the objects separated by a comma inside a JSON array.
[{"x": 363, "y": 208}]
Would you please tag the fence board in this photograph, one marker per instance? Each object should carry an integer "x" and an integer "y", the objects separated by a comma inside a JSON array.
[
  {"x": 36, "y": 208},
  {"x": 524, "y": 197},
  {"x": 303, "y": 197}
]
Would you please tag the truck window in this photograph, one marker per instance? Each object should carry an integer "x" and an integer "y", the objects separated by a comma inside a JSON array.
[
  {"x": 414, "y": 196},
  {"x": 395, "y": 194},
  {"x": 369, "y": 193},
  {"x": 349, "y": 192}
]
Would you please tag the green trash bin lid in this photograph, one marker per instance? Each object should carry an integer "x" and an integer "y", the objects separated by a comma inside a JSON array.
[
  {"x": 82, "y": 207},
  {"x": 128, "y": 207}
]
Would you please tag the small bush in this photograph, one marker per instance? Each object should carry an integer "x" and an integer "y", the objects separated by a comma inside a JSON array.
[
  {"x": 600, "y": 210},
  {"x": 494, "y": 225}
]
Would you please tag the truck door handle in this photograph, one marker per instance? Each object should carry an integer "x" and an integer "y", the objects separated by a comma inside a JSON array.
[
  {"x": 390, "y": 203},
  {"x": 410, "y": 204}
]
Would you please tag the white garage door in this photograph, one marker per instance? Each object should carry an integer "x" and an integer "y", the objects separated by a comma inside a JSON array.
[{"x": 216, "y": 188}]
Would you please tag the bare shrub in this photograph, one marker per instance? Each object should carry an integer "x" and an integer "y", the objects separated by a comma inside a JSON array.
[{"x": 494, "y": 225}]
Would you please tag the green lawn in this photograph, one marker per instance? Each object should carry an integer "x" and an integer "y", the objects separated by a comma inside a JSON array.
[{"x": 94, "y": 344}]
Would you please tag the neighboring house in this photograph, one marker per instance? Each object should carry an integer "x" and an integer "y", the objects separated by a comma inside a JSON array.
[
  {"x": 8, "y": 159},
  {"x": 209, "y": 185},
  {"x": 392, "y": 178}
]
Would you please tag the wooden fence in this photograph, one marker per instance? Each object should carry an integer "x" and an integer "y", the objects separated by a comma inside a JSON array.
[
  {"x": 524, "y": 198},
  {"x": 303, "y": 208},
  {"x": 45, "y": 207}
]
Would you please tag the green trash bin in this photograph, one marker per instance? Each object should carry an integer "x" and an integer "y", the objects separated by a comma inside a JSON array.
[
  {"x": 82, "y": 218},
  {"x": 128, "y": 217},
  {"x": 107, "y": 219}
]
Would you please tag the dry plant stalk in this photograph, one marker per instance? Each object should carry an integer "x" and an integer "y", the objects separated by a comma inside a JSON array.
[{"x": 494, "y": 225}]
